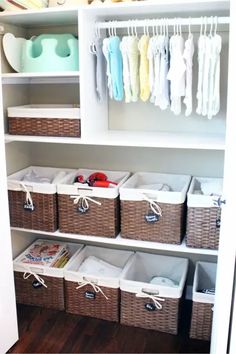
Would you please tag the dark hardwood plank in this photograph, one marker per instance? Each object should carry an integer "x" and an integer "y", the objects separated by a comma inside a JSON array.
[{"x": 50, "y": 331}]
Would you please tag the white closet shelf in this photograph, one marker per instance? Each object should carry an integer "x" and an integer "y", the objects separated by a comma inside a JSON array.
[
  {"x": 44, "y": 78},
  {"x": 134, "y": 139},
  {"x": 119, "y": 241},
  {"x": 48, "y": 16},
  {"x": 161, "y": 6},
  {"x": 159, "y": 139},
  {"x": 43, "y": 139},
  {"x": 64, "y": 15}
]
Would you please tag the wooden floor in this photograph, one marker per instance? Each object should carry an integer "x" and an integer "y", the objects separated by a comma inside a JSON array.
[{"x": 49, "y": 331}]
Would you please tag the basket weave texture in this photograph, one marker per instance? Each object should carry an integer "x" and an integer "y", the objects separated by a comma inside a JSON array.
[
  {"x": 99, "y": 307},
  {"x": 134, "y": 313},
  {"x": 44, "y": 126},
  {"x": 202, "y": 227},
  {"x": 201, "y": 321},
  {"x": 169, "y": 229},
  {"x": 50, "y": 297},
  {"x": 44, "y": 216},
  {"x": 100, "y": 220}
]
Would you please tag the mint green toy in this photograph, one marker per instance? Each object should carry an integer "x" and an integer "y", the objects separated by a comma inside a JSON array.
[{"x": 50, "y": 52}]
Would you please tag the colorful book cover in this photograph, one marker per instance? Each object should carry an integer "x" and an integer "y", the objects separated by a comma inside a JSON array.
[{"x": 43, "y": 253}]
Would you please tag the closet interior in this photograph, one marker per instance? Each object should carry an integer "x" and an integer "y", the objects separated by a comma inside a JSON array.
[{"x": 115, "y": 135}]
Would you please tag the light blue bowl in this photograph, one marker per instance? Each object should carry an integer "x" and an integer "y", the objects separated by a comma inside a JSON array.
[{"x": 50, "y": 52}]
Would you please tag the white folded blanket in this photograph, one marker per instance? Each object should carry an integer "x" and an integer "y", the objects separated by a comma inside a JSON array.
[
  {"x": 156, "y": 187},
  {"x": 212, "y": 187},
  {"x": 97, "y": 267},
  {"x": 32, "y": 176}
]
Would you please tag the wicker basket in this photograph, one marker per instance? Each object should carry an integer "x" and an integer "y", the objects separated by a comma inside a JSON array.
[
  {"x": 151, "y": 215},
  {"x": 102, "y": 218},
  {"x": 152, "y": 306},
  {"x": 103, "y": 301},
  {"x": 44, "y": 120},
  {"x": 202, "y": 310},
  {"x": 41, "y": 213},
  {"x": 30, "y": 291},
  {"x": 203, "y": 217}
]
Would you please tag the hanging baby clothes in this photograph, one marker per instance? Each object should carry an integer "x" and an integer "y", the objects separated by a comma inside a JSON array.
[
  {"x": 214, "y": 77},
  {"x": 176, "y": 74},
  {"x": 162, "y": 90},
  {"x": 188, "y": 58},
  {"x": 116, "y": 67},
  {"x": 126, "y": 69},
  {"x": 144, "y": 68},
  {"x": 108, "y": 71},
  {"x": 201, "y": 65},
  {"x": 206, "y": 73},
  {"x": 133, "y": 57},
  {"x": 157, "y": 64},
  {"x": 96, "y": 49},
  {"x": 150, "y": 56}
]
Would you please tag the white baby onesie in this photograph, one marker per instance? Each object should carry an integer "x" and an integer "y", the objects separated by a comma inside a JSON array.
[
  {"x": 150, "y": 55},
  {"x": 176, "y": 74},
  {"x": 214, "y": 77},
  {"x": 162, "y": 99},
  {"x": 188, "y": 57},
  {"x": 201, "y": 64}
]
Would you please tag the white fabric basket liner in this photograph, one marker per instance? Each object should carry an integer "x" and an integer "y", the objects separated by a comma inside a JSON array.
[
  {"x": 201, "y": 200},
  {"x": 66, "y": 186},
  {"x": 14, "y": 181},
  {"x": 204, "y": 278},
  {"x": 178, "y": 183},
  {"x": 18, "y": 266},
  {"x": 64, "y": 111},
  {"x": 143, "y": 267},
  {"x": 118, "y": 258}
]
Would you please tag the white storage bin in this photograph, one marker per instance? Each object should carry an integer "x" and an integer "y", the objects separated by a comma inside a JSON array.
[
  {"x": 203, "y": 303},
  {"x": 101, "y": 217},
  {"x": 45, "y": 120},
  {"x": 93, "y": 293},
  {"x": 204, "y": 212},
  {"x": 32, "y": 204},
  {"x": 150, "y": 214},
  {"x": 153, "y": 306},
  {"x": 41, "y": 285}
]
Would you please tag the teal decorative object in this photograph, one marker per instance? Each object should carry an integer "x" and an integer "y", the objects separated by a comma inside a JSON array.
[{"x": 50, "y": 52}]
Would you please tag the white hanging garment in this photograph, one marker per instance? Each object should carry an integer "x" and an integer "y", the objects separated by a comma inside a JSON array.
[
  {"x": 157, "y": 65},
  {"x": 108, "y": 71},
  {"x": 133, "y": 58},
  {"x": 214, "y": 77},
  {"x": 176, "y": 74},
  {"x": 150, "y": 55},
  {"x": 188, "y": 57},
  {"x": 126, "y": 70},
  {"x": 162, "y": 99},
  {"x": 206, "y": 76},
  {"x": 201, "y": 65}
]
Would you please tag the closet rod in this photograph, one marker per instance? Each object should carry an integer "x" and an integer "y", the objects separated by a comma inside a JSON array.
[{"x": 168, "y": 21}]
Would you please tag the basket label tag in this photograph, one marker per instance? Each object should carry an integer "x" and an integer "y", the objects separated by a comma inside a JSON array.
[
  {"x": 90, "y": 295},
  {"x": 36, "y": 284},
  {"x": 82, "y": 209},
  {"x": 29, "y": 207},
  {"x": 152, "y": 217},
  {"x": 218, "y": 221},
  {"x": 150, "y": 307}
]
